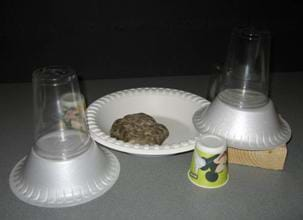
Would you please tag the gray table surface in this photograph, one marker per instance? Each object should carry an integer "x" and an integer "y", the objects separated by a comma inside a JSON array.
[{"x": 157, "y": 187}]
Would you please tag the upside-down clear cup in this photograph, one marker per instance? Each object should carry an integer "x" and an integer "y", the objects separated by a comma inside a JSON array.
[
  {"x": 65, "y": 166},
  {"x": 242, "y": 111},
  {"x": 60, "y": 125},
  {"x": 244, "y": 83}
]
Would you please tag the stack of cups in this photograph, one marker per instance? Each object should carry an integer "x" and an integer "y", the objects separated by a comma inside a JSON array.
[{"x": 208, "y": 167}]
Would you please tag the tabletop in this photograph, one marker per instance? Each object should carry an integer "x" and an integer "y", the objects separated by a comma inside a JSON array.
[{"x": 157, "y": 187}]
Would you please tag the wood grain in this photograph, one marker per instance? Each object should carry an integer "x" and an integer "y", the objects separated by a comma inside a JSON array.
[{"x": 268, "y": 159}]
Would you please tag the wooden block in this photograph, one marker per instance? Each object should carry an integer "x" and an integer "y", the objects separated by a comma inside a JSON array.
[{"x": 269, "y": 159}]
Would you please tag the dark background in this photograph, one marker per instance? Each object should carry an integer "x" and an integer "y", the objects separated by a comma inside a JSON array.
[{"x": 107, "y": 39}]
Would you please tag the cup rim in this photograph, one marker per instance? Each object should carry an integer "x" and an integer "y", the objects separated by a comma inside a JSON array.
[
  {"x": 211, "y": 144},
  {"x": 54, "y": 75},
  {"x": 250, "y": 33}
]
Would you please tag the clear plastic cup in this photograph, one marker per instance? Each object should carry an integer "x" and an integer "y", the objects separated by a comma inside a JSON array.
[
  {"x": 61, "y": 131},
  {"x": 244, "y": 81}
]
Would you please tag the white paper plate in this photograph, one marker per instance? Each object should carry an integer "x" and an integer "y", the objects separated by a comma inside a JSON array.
[{"x": 170, "y": 107}]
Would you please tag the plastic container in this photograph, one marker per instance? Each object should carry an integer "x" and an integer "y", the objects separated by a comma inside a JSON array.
[
  {"x": 242, "y": 111},
  {"x": 245, "y": 79},
  {"x": 65, "y": 167}
]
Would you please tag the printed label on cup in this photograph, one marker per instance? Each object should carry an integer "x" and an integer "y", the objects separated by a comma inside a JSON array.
[
  {"x": 209, "y": 167},
  {"x": 74, "y": 111}
]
